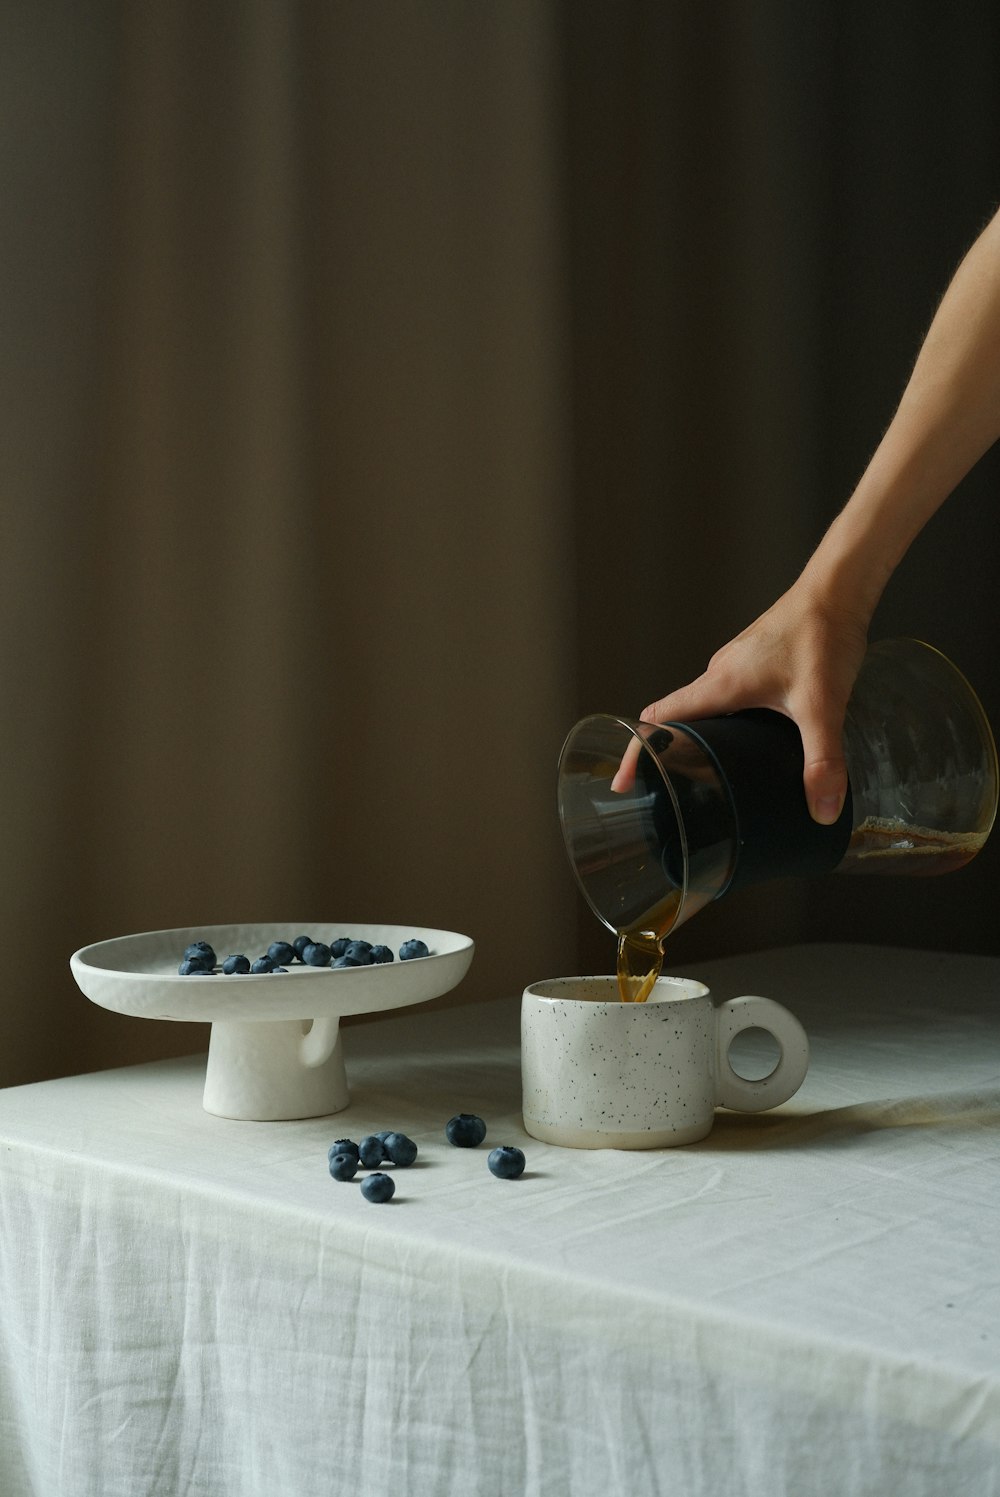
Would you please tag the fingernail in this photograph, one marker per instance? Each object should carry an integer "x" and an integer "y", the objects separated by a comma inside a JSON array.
[{"x": 827, "y": 809}]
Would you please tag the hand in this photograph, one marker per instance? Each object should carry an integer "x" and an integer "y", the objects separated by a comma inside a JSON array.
[{"x": 799, "y": 658}]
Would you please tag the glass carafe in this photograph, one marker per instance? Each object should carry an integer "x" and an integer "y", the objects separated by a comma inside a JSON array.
[{"x": 659, "y": 821}]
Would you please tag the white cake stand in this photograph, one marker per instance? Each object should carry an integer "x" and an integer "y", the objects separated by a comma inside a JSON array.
[{"x": 275, "y": 1050}]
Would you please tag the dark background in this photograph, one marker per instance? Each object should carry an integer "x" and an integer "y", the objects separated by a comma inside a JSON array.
[{"x": 383, "y": 387}]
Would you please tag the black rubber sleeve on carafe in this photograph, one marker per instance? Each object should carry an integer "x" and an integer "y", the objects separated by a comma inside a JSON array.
[
  {"x": 759, "y": 755},
  {"x": 708, "y": 817}
]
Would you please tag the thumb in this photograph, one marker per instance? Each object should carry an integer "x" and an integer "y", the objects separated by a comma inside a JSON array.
[{"x": 824, "y": 773}]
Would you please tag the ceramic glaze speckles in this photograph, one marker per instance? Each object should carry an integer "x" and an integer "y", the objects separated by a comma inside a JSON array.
[{"x": 601, "y": 1074}]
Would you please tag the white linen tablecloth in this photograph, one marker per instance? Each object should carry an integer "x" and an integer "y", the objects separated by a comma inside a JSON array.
[{"x": 807, "y": 1302}]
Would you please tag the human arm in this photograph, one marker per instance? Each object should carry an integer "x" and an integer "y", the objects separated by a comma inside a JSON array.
[{"x": 802, "y": 655}]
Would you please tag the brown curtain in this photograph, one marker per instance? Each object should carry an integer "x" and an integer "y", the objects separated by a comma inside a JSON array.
[{"x": 384, "y": 386}]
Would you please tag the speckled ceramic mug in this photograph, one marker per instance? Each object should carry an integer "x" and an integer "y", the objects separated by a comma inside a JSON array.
[{"x": 601, "y": 1074}]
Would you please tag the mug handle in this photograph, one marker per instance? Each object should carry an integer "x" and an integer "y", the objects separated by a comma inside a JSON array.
[{"x": 732, "y": 1090}]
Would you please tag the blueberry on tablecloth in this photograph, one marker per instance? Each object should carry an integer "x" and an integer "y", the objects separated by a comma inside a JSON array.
[
  {"x": 399, "y": 1149},
  {"x": 465, "y": 1130},
  {"x": 371, "y": 1151},
  {"x": 343, "y": 1146},
  {"x": 506, "y": 1162},
  {"x": 378, "y": 1188},
  {"x": 343, "y": 1166}
]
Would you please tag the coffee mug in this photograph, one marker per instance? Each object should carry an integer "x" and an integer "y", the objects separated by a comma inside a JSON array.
[{"x": 601, "y": 1074}]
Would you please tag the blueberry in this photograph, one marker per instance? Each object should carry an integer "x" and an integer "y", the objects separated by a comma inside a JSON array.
[
  {"x": 280, "y": 952},
  {"x": 378, "y": 1188},
  {"x": 506, "y": 1162},
  {"x": 380, "y": 954},
  {"x": 345, "y": 961},
  {"x": 194, "y": 966},
  {"x": 413, "y": 948},
  {"x": 383, "y": 1136},
  {"x": 236, "y": 963},
  {"x": 299, "y": 945},
  {"x": 371, "y": 1151},
  {"x": 343, "y": 1146},
  {"x": 278, "y": 969},
  {"x": 465, "y": 1131},
  {"x": 339, "y": 946},
  {"x": 316, "y": 954},
  {"x": 203, "y": 950},
  {"x": 360, "y": 952},
  {"x": 400, "y": 1149},
  {"x": 343, "y": 1166},
  {"x": 261, "y": 965}
]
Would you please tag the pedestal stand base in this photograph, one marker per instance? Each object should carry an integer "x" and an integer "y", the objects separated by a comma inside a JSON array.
[{"x": 268, "y": 1071}]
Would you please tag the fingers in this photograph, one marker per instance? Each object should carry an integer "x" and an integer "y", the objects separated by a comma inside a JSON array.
[
  {"x": 624, "y": 777},
  {"x": 708, "y": 696},
  {"x": 824, "y": 773},
  {"x": 825, "y": 784},
  {"x": 703, "y": 698},
  {"x": 800, "y": 658}
]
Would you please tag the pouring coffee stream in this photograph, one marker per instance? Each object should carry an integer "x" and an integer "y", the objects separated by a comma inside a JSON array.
[
  {"x": 660, "y": 820},
  {"x": 640, "y": 961}
]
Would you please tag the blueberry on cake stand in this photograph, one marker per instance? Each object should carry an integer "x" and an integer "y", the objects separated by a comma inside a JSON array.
[{"x": 276, "y": 1050}]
